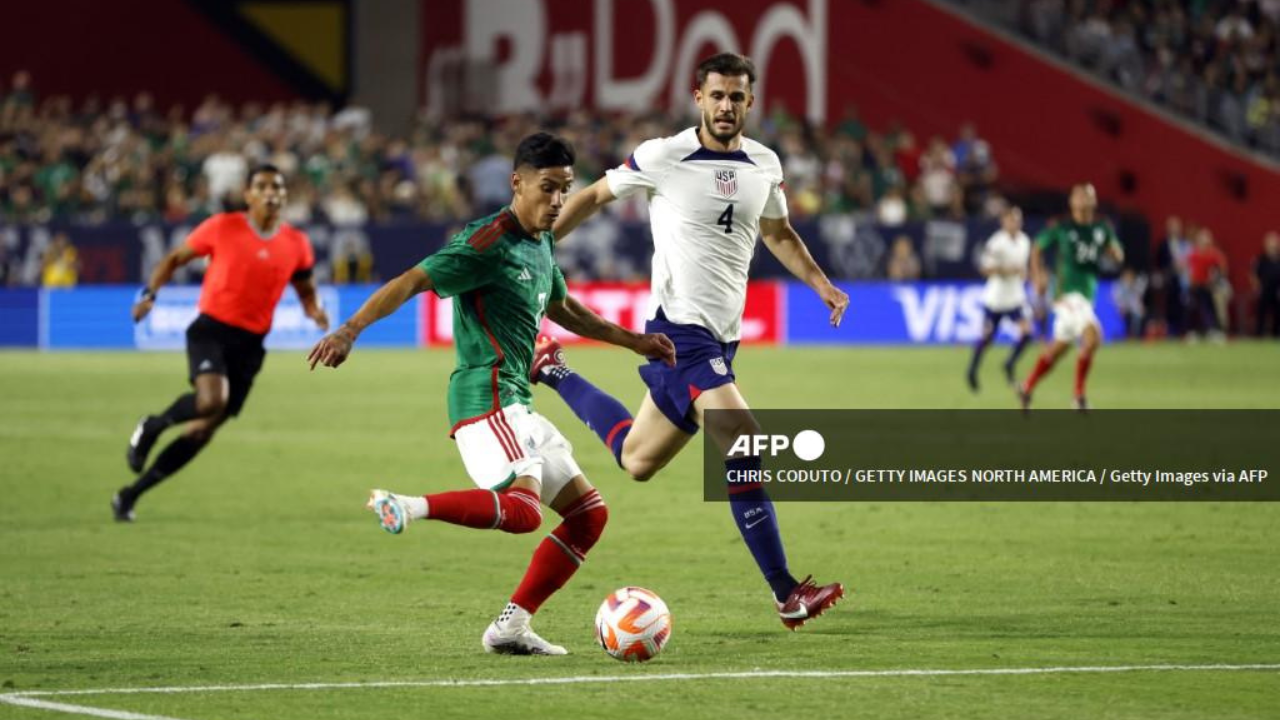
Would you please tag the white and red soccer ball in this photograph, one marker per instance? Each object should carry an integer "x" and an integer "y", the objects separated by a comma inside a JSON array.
[{"x": 633, "y": 624}]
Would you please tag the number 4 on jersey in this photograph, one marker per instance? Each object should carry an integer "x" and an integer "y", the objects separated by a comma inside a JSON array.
[{"x": 726, "y": 218}]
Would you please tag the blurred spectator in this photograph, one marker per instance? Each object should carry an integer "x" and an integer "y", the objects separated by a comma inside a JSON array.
[
  {"x": 938, "y": 177},
  {"x": 1207, "y": 269},
  {"x": 1266, "y": 282},
  {"x": 1213, "y": 60},
  {"x": 1171, "y": 276},
  {"x": 903, "y": 262},
  {"x": 112, "y": 159},
  {"x": 1127, "y": 293},
  {"x": 60, "y": 266}
]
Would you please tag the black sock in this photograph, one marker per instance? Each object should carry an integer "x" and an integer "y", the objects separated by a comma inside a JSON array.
[
  {"x": 175, "y": 455},
  {"x": 182, "y": 410},
  {"x": 1022, "y": 344}
]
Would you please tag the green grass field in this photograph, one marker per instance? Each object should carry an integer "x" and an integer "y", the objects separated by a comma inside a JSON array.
[{"x": 259, "y": 565}]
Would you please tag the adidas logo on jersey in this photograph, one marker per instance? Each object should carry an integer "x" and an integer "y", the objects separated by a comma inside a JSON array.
[{"x": 525, "y": 276}]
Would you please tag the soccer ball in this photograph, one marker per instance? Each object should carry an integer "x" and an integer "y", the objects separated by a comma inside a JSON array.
[{"x": 633, "y": 624}]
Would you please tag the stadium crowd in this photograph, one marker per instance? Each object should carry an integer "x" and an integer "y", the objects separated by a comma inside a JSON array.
[
  {"x": 99, "y": 161},
  {"x": 1215, "y": 61}
]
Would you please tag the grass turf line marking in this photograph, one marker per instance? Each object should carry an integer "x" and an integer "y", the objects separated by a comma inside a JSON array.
[
  {"x": 28, "y": 698},
  {"x": 78, "y": 709}
]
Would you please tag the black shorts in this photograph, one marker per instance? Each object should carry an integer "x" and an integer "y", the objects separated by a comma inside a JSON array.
[{"x": 222, "y": 349}]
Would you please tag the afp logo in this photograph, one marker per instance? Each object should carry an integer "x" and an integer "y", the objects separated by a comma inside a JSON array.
[{"x": 808, "y": 445}]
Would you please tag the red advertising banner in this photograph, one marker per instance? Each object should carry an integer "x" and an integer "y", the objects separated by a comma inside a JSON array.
[
  {"x": 626, "y": 55},
  {"x": 627, "y": 305}
]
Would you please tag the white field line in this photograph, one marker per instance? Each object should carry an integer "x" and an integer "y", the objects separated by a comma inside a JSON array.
[{"x": 29, "y": 698}]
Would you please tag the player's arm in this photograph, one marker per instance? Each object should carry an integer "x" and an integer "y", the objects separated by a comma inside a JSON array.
[
  {"x": 582, "y": 205},
  {"x": 161, "y": 274},
  {"x": 1114, "y": 249},
  {"x": 304, "y": 284},
  {"x": 577, "y": 318},
  {"x": 333, "y": 349},
  {"x": 785, "y": 244}
]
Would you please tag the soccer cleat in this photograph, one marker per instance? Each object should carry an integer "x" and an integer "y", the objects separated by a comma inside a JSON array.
[
  {"x": 391, "y": 512},
  {"x": 140, "y": 442},
  {"x": 547, "y": 353},
  {"x": 807, "y": 601},
  {"x": 517, "y": 641},
  {"x": 1080, "y": 404},
  {"x": 123, "y": 511}
]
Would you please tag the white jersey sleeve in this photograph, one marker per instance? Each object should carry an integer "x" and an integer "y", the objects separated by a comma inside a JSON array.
[
  {"x": 643, "y": 169},
  {"x": 775, "y": 207}
]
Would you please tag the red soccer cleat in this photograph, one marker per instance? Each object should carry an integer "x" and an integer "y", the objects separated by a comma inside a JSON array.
[
  {"x": 546, "y": 353},
  {"x": 807, "y": 602}
]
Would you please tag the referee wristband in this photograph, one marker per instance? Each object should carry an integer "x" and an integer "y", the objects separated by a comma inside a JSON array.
[{"x": 148, "y": 294}]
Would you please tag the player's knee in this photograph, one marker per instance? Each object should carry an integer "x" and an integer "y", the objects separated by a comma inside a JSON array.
[
  {"x": 639, "y": 469},
  {"x": 200, "y": 432},
  {"x": 520, "y": 511},
  {"x": 210, "y": 406},
  {"x": 583, "y": 525}
]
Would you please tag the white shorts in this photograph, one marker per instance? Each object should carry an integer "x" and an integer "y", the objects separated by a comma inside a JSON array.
[
  {"x": 1072, "y": 313},
  {"x": 515, "y": 442}
]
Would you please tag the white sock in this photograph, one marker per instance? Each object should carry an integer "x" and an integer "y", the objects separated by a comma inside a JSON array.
[
  {"x": 416, "y": 505},
  {"x": 513, "y": 617}
]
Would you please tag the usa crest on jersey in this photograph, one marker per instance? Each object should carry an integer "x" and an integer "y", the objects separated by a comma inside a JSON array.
[
  {"x": 727, "y": 182},
  {"x": 717, "y": 364}
]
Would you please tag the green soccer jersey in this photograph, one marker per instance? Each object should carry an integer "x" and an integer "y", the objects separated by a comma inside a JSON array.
[
  {"x": 1078, "y": 246},
  {"x": 501, "y": 279}
]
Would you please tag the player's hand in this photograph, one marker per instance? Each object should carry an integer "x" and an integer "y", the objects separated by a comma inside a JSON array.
[
  {"x": 319, "y": 317},
  {"x": 836, "y": 300},
  {"x": 332, "y": 350},
  {"x": 141, "y": 308},
  {"x": 658, "y": 346}
]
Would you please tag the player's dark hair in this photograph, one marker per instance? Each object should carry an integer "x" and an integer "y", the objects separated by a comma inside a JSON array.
[
  {"x": 258, "y": 170},
  {"x": 727, "y": 64},
  {"x": 544, "y": 150}
]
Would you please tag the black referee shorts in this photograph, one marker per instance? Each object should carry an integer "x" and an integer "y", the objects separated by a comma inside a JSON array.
[{"x": 222, "y": 349}]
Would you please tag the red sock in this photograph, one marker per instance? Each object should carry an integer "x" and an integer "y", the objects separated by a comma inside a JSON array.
[
  {"x": 560, "y": 553},
  {"x": 1043, "y": 365},
  {"x": 514, "y": 511},
  {"x": 1083, "y": 363}
]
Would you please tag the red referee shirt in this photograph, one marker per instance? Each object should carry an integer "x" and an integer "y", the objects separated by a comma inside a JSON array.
[{"x": 247, "y": 272}]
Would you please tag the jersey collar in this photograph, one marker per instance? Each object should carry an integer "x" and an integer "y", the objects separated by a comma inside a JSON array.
[{"x": 515, "y": 227}]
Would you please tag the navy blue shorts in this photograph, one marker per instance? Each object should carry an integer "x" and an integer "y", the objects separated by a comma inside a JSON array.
[
  {"x": 702, "y": 363},
  {"x": 995, "y": 316}
]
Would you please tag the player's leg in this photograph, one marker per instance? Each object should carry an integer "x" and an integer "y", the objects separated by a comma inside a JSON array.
[
  {"x": 598, "y": 410},
  {"x": 507, "y": 474},
  {"x": 207, "y": 348},
  {"x": 1025, "y": 334},
  {"x": 212, "y": 396},
  {"x": 990, "y": 323},
  {"x": 1090, "y": 341},
  {"x": 754, "y": 513},
  {"x": 642, "y": 445},
  {"x": 1069, "y": 322},
  {"x": 651, "y": 441},
  {"x": 559, "y": 555}
]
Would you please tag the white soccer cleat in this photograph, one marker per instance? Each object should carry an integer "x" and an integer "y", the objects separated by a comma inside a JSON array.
[
  {"x": 391, "y": 510},
  {"x": 518, "y": 641}
]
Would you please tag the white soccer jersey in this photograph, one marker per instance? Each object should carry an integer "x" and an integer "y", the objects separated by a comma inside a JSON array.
[
  {"x": 1003, "y": 251},
  {"x": 704, "y": 211}
]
